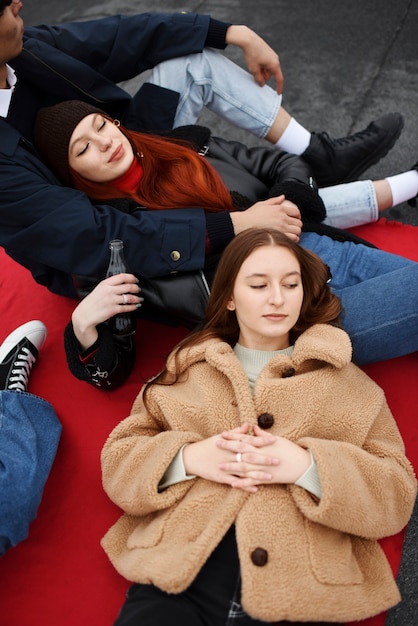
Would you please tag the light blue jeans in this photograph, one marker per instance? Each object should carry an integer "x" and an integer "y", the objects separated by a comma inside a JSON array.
[
  {"x": 379, "y": 293},
  {"x": 211, "y": 80},
  {"x": 29, "y": 435}
]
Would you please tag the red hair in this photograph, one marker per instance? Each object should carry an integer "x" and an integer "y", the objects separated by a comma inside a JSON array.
[{"x": 174, "y": 176}]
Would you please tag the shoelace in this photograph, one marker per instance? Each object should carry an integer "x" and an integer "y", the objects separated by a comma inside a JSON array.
[
  {"x": 20, "y": 374},
  {"x": 330, "y": 142},
  {"x": 351, "y": 138}
]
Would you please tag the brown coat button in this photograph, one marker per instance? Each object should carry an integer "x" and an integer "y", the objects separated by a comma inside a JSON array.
[
  {"x": 259, "y": 557},
  {"x": 265, "y": 420},
  {"x": 288, "y": 372}
]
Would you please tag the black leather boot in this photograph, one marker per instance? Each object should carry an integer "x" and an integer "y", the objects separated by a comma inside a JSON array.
[{"x": 343, "y": 160}]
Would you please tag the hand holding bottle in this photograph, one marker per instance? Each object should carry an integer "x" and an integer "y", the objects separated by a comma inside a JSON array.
[{"x": 104, "y": 302}]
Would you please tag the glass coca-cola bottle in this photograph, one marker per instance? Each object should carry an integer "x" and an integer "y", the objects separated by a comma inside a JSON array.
[{"x": 122, "y": 323}]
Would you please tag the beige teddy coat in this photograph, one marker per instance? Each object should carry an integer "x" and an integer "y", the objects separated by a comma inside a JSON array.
[{"x": 323, "y": 561}]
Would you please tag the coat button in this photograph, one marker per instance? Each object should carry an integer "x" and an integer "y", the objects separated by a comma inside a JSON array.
[
  {"x": 265, "y": 420},
  {"x": 288, "y": 372},
  {"x": 259, "y": 557},
  {"x": 175, "y": 255}
]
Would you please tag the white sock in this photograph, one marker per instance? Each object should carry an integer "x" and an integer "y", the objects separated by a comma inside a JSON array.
[
  {"x": 403, "y": 186},
  {"x": 295, "y": 138}
]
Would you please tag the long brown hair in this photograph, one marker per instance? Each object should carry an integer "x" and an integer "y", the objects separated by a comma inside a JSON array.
[
  {"x": 175, "y": 176},
  {"x": 319, "y": 305}
]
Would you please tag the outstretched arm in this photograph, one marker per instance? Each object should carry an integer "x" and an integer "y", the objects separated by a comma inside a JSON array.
[{"x": 121, "y": 46}]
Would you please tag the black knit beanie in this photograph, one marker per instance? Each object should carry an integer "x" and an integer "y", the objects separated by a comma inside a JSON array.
[{"x": 53, "y": 129}]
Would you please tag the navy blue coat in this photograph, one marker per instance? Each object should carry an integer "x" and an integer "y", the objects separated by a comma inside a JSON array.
[{"x": 53, "y": 230}]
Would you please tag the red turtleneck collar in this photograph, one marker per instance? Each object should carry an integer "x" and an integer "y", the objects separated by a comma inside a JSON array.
[{"x": 129, "y": 181}]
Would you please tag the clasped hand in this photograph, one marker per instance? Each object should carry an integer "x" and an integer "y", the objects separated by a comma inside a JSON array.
[
  {"x": 276, "y": 212},
  {"x": 243, "y": 460}
]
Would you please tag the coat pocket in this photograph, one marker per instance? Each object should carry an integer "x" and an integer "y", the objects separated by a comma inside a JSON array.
[
  {"x": 148, "y": 530},
  {"x": 332, "y": 557}
]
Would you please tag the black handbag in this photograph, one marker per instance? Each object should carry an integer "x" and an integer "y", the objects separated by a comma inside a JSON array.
[{"x": 181, "y": 297}]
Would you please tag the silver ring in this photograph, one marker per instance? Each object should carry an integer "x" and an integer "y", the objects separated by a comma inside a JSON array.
[
  {"x": 238, "y": 457},
  {"x": 125, "y": 299}
]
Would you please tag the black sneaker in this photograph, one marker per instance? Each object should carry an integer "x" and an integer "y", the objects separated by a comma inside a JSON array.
[
  {"x": 18, "y": 353},
  {"x": 343, "y": 160}
]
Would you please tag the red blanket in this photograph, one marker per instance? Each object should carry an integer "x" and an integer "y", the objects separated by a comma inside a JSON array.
[{"x": 60, "y": 575}]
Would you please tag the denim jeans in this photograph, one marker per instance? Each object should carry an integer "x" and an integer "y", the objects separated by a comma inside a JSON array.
[
  {"x": 29, "y": 435},
  {"x": 350, "y": 204},
  {"x": 379, "y": 294},
  {"x": 211, "y": 80}
]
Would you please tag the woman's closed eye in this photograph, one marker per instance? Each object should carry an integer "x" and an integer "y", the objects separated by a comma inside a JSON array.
[
  {"x": 286, "y": 285},
  {"x": 100, "y": 127},
  {"x": 83, "y": 150}
]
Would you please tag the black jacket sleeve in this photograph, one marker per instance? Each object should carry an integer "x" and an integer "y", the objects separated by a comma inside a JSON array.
[
  {"x": 280, "y": 173},
  {"x": 107, "y": 364},
  {"x": 120, "y": 47}
]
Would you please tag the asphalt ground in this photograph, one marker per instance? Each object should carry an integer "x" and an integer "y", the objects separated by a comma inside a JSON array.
[{"x": 344, "y": 64}]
